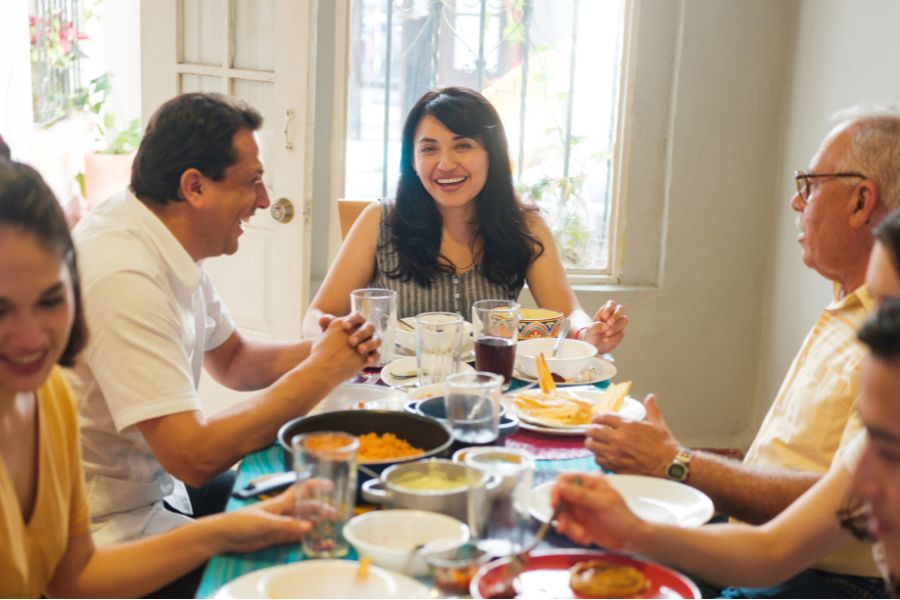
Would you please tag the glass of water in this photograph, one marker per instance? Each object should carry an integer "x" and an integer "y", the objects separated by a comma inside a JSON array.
[
  {"x": 438, "y": 345},
  {"x": 473, "y": 406},
  {"x": 379, "y": 307}
]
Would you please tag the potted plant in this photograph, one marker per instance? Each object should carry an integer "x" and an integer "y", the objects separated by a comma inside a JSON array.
[{"x": 107, "y": 166}]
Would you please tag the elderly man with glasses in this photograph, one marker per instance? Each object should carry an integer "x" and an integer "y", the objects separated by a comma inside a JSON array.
[{"x": 852, "y": 183}]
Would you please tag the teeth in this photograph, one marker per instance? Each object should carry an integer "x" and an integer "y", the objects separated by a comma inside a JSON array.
[
  {"x": 24, "y": 360},
  {"x": 451, "y": 181}
]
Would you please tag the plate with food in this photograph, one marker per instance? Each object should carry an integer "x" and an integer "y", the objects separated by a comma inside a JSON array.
[
  {"x": 404, "y": 371},
  {"x": 651, "y": 498},
  {"x": 583, "y": 574},
  {"x": 598, "y": 369},
  {"x": 324, "y": 579},
  {"x": 571, "y": 411}
]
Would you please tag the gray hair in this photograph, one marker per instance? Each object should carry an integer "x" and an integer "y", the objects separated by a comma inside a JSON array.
[{"x": 874, "y": 148}]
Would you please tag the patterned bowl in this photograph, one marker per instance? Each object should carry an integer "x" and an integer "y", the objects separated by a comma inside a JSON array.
[{"x": 539, "y": 322}]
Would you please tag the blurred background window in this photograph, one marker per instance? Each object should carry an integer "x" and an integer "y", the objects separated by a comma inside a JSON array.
[{"x": 550, "y": 67}]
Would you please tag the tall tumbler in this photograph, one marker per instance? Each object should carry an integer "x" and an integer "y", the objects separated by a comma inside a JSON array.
[
  {"x": 438, "y": 345},
  {"x": 325, "y": 463},
  {"x": 496, "y": 329},
  {"x": 379, "y": 307}
]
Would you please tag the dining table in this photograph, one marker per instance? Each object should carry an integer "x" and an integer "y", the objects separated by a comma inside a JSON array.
[{"x": 553, "y": 455}]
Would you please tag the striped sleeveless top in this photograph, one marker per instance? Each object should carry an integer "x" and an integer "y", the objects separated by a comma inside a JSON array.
[{"x": 448, "y": 292}]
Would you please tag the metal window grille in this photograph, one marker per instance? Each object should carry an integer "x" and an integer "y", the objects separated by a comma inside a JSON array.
[
  {"x": 549, "y": 66},
  {"x": 55, "y": 57}
]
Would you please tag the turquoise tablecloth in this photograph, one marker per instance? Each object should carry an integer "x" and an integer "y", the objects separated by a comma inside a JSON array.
[{"x": 222, "y": 569}]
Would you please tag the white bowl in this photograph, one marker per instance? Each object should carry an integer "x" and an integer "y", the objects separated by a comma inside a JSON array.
[
  {"x": 406, "y": 338},
  {"x": 573, "y": 357},
  {"x": 389, "y": 538}
]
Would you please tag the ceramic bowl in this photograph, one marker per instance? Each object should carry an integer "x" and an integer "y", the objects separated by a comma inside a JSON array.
[
  {"x": 573, "y": 357},
  {"x": 406, "y": 337},
  {"x": 539, "y": 322},
  {"x": 392, "y": 538}
]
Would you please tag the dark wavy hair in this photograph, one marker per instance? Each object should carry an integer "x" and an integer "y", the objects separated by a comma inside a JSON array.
[
  {"x": 507, "y": 247},
  {"x": 27, "y": 204},
  {"x": 189, "y": 131}
]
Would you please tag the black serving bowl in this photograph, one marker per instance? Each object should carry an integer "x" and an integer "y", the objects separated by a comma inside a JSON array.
[
  {"x": 433, "y": 436},
  {"x": 434, "y": 407}
]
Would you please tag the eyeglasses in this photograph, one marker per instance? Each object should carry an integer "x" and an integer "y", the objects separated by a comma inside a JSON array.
[{"x": 804, "y": 186}]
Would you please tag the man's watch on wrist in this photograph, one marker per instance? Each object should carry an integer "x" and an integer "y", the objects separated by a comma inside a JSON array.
[{"x": 680, "y": 467}]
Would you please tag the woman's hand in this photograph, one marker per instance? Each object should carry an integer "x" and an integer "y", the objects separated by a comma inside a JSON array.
[
  {"x": 608, "y": 328},
  {"x": 263, "y": 524},
  {"x": 594, "y": 513}
]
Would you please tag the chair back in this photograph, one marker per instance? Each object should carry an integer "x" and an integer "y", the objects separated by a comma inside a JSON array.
[{"x": 348, "y": 211}]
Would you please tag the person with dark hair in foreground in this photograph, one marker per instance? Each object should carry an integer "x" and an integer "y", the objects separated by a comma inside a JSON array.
[
  {"x": 47, "y": 547},
  {"x": 456, "y": 232}
]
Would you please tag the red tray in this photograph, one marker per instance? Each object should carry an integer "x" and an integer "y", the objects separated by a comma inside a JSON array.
[{"x": 547, "y": 575}]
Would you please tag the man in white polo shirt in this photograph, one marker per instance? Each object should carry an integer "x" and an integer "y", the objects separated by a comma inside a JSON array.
[
  {"x": 155, "y": 320},
  {"x": 852, "y": 184}
]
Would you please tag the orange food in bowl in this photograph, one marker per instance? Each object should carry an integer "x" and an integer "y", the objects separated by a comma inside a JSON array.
[
  {"x": 373, "y": 447},
  {"x": 327, "y": 442}
]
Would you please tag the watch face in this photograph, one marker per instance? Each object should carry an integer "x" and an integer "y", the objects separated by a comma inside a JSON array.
[{"x": 677, "y": 472}]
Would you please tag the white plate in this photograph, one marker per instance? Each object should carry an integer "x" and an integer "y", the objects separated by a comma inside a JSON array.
[
  {"x": 631, "y": 409},
  {"x": 407, "y": 364},
  {"x": 599, "y": 369},
  {"x": 323, "y": 579},
  {"x": 357, "y": 395},
  {"x": 651, "y": 498}
]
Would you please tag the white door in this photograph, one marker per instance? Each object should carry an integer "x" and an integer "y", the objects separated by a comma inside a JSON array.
[{"x": 261, "y": 51}]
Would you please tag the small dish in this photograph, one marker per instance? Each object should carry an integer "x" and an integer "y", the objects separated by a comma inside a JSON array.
[
  {"x": 393, "y": 538},
  {"x": 573, "y": 357}
]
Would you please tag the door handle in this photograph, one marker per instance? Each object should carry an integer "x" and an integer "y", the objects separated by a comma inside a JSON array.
[{"x": 282, "y": 211}]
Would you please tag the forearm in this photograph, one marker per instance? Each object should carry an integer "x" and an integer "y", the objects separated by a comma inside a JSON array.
[
  {"x": 134, "y": 569},
  {"x": 195, "y": 449},
  {"x": 753, "y": 495},
  {"x": 258, "y": 363},
  {"x": 727, "y": 555}
]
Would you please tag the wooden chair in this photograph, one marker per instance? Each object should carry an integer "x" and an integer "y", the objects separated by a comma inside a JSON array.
[{"x": 348, "y": 211}]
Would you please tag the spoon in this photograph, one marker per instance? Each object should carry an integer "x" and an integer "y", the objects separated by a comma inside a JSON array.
[{"x": 563, "y": 332}]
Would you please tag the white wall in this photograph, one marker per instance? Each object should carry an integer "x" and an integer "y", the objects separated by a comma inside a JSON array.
[{"x": 846, "y": 53}]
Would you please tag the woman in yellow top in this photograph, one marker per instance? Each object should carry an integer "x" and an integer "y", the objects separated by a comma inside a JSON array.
[{"x": 44, "y": 517}]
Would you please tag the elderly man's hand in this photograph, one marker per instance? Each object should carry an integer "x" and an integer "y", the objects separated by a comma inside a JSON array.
[
  {"x": 635, "y": 447},
  {"x": 594, "y": 513},
  {"x": 608, "y": 328}
]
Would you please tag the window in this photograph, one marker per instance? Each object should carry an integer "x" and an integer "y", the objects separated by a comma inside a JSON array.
[
  {"x": 56, "y": 37},
  {"x": 550, "y": 67}
]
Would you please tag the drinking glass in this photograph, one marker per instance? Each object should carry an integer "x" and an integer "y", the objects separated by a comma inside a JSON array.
[
  {"x": 498, "y": 513},
  {"x": 473, "y": 406},
  {"x": 496, "y": 329},
  {"x": 438, "y": 344},
  {"x": 379, "y": 307},
  {"x": 325, "y": 463}
]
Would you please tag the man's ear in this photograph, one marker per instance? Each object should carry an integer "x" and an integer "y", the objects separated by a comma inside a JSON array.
[
  {"x": 191, "y": 186},
  {"x": 867, "y": 197}
]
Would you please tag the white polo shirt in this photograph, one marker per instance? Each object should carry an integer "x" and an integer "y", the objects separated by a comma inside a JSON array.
[{"x": 151, "y": 313}]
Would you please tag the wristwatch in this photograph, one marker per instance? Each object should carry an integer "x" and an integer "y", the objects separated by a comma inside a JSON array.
[{"x": 680, "y": 467}]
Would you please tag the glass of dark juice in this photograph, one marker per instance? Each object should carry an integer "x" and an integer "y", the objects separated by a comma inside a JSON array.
[{"x": 495, "y": 330}]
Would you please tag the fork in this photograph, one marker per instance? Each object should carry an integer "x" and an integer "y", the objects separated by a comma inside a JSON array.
[{"x": 517, "y": 563}]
